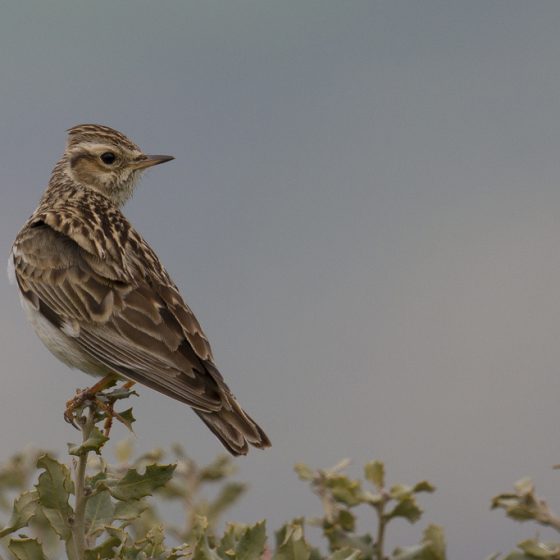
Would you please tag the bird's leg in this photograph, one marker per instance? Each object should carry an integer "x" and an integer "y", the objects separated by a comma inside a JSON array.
[
  {"x": 86, "y": 395},
  {"x": 110, "y": 412}
]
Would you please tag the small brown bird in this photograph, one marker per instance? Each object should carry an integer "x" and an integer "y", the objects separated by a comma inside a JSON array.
[{"x": 100, "y": 300}]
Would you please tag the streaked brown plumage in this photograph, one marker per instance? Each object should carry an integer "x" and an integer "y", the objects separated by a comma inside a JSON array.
[{"x": 98, "y": 296}]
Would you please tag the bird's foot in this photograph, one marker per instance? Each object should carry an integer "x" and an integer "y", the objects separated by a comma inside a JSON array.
[{"x": 102, "y": 402}]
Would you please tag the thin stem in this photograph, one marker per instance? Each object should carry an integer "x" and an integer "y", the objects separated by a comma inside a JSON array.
[
  {"x": 78, "y": 527},
  {"x": 380, "y": 540}
]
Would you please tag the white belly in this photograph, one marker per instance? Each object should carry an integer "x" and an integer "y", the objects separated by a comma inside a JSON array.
[{"x": 59, "y": 343}]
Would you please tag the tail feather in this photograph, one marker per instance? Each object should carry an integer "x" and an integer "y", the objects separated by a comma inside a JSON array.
[{"x": 235, "y": 428}]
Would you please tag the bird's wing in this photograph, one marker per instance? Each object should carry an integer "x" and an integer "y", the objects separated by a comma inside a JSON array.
[{"x": 136, "y": 325}]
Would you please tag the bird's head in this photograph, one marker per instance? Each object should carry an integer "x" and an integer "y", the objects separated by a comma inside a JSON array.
[{"x": 105, "y": 160}]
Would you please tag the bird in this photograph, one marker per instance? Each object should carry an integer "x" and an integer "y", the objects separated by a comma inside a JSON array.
[{"x": 99, "y": 298}]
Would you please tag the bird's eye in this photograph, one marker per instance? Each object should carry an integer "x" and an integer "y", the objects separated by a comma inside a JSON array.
[{"x": 108, "y": 158}]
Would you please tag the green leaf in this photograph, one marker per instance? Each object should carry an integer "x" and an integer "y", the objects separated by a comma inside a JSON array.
[
  {"x": 346, "y": 520},
  {"x": 423, "y": 486},
  {"x": 202, "y": 550},
  {"x": 133, "y": 486},
  {"x": 291, "y": 543},
  {"x": 431, "y": 548},
  {"x": 128, "y": 511},
  {"x": 435, "y": 539},
  {"x": 415, "y": 552},
  {"x": 400, "y": 491},
  {"x": 538, "y": 549},
  {"x": 252, "y": 542},
  {"x": 406, "y": 508},
  {"x": 53, "y": 488},
  {"x": 94, "y": 442},
  {"x": 304, "y": 472},
  {"x": 99, "y": 512},
  {"x": 127, "y": 418},
  {"x": 345, "y": 490},
  {"x": 59, "y": 522},
  {"x": 26, "y": 549},
  {"x": 374, "y": 471},
  {"x": 105, "y": 550},
  {"x": 345, "y": 554},
  {"x": 54, "y": 485},
  {"x": 24, "y": 509}
]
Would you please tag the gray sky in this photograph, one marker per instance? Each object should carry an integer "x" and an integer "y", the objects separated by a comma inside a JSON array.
[{"x": 363, "y": 213}]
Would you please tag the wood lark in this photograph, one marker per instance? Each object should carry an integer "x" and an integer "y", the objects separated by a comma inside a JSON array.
[{"x": 100, "y": 300}]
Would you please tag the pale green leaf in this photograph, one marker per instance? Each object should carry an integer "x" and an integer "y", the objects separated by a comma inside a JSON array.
[
  {"x": 345, "y": 490},
  {"x": 252, "y": 542},
  {"x": 24, "y": 509},
  {"x": 105, "y": 550},
  {"x": 133, "y": 486},
  {"x": 94, "y": 442},
  {"x": 539, "y": 549},
  {"x": 408, "y": 509},
  {"x": 128, "y": 511},
  {"x": 99, "y": 512},
  {"x": 423, "y": 486},
  {"x": 53, "y": 488},
  {"x": 345, "y": 554},
  {"x": 26, "y": 549},
  {"x": 304, "y": 472},
  {"x": 59, "y": 521},
  {"x": 374, "y": 471},
  {"x": 291, "y": 543},
  {"x": 435, "y": 539}
]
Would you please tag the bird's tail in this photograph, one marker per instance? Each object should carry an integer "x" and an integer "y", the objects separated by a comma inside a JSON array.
[{"x": 235, "y": 428}]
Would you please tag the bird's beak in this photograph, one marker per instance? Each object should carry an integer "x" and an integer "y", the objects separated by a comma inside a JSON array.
[{"x": 149, "y": 161}]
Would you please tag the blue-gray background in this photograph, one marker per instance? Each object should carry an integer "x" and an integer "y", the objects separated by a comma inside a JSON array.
[{"x": 363, "y": 211}]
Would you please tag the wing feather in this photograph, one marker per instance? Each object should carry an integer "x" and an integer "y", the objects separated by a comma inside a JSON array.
[{"x": 141, "y": 330}]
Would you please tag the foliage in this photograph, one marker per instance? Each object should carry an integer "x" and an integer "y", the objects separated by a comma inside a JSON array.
[
  {"x": 87, "y": 509},
  {"x": 524, "y": 505}
]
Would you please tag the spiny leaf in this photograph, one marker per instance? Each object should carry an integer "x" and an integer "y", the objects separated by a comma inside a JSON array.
[
  {"x": 406, "y": 508},
  {"x": 24, "y": 509},
  {"x": 202, "y": 550},
  {"x": 105, "y": 550},
  {"x": 374, "y": 471},
  {"x": 252, "y": 542},
  {"x": 94, "y": 442},
  {"x": 127, "y": 418},
  {"x": 291, "y": 543},
  {"x": 133, "y": 486},
  {"x": 345, "y": 490},
  {"x": 99, "y": 512},
  {"x": 26, "y": 549},
  {"x": 53, "y": 488}
]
